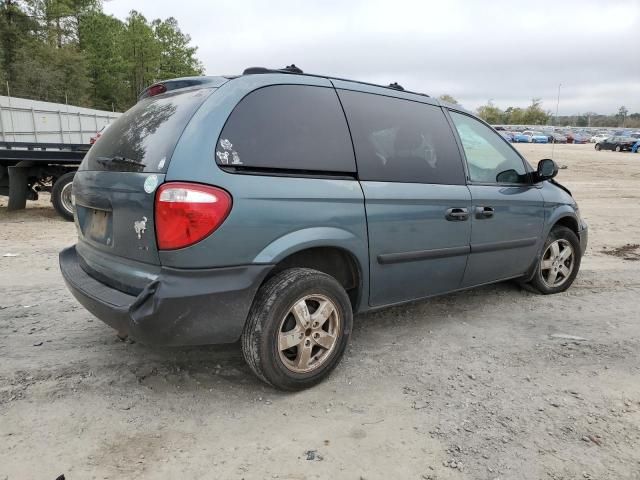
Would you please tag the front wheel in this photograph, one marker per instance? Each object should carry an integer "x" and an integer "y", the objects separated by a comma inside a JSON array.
[
  {"x": 560, "y": 262},
  {"x": 618, "y": 148},
  {"x": 598, "y": 147},
  {"x": 298, "y": 329},
  {"x": 61, "y": 196}
]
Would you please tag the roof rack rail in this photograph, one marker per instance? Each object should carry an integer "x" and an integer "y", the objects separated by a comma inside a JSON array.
[
  {"x": 288, "y": 69},
  {"x": 295, "y": 70}
]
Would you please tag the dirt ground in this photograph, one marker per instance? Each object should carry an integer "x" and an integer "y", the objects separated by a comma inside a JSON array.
[{"x": 493, "y": 383}]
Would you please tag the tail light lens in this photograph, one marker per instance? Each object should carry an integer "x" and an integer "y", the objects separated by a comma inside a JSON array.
[{"x": 188, "y": 212}]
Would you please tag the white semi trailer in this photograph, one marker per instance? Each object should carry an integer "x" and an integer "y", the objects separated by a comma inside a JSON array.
[{"x": 41, "y": 147}]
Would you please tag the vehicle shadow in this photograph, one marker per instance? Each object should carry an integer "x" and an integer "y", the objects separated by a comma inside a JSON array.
[
  {"x": 218, "y": 367},
  {"x": 31, "y": 213}
]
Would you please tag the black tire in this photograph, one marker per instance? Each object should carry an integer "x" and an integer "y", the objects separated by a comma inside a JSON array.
[
  {"x": 272, "y": 304},
  {"x": 558, "y": 233},
  {"x": 618, "y": 148},
  {"x": 62, "y": 205},
  {"x": 598, "y": 147}
]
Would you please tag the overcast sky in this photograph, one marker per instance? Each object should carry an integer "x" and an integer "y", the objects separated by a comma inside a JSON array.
[{"x": 475, "y": 50}]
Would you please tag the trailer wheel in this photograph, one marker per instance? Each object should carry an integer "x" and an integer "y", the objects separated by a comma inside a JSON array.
[{"x": 61, "y": 196}]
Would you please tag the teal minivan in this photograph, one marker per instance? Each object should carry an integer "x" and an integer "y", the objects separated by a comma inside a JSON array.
[{"x": 272, "y": 206}]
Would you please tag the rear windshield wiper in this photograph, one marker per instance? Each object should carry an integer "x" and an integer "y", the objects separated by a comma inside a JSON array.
[{"x": 119, "y": 159}]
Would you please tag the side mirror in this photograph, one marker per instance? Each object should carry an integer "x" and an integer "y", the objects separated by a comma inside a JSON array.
[
  {"x": 508, "y": 176},
  {"x": 547, "y": 169}
]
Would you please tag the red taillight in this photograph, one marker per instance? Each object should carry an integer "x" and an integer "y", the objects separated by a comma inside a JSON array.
[
  {"x": 188, "y": 212},
  {"x": 156, "y": 89}
]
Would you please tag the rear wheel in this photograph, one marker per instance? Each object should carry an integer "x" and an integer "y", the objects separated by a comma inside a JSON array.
[
  {"x": 61, "y": 196},
  {"x": 298, "y": 329},
  {"x": 618, "y": 148},
  {"x": 598, "y": 147},
  {"x": 560, "y": 262}
]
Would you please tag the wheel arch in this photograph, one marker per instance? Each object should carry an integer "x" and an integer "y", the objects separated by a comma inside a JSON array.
[
  {"x": 563, "y": 216},
  {"x": 333, "y": 251},
  {"x": 569, "y": 221}
]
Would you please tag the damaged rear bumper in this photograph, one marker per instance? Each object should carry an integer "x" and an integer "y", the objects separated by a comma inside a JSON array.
[{"x": 179, "y": 307}]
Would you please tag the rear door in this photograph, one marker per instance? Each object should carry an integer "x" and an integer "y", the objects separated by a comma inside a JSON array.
[
  {"x": 416, "y": 200},
  {"x": 114, "y": 188},
  {"x": 507, "y": 210}
]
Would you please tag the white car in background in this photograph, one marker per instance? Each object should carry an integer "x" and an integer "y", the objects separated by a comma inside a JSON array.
[{"x": 599, "y": 137}]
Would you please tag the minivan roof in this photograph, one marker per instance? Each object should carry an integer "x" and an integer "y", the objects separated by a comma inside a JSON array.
[{"x": 292, "y": 69}]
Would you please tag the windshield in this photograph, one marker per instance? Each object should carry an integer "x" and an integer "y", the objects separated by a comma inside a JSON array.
[{"x": 143, "y": 138}]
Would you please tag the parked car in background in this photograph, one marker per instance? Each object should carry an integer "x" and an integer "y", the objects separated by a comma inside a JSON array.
[
  {"x": 536, "y": 136},
  {"x": 508, "y": 136},
  {"x": 555, "y": 137},
  {"x": 520, "y": 137},
  {"x": 599, "y": 137},
  {"x": 616, "y": 143},
  {"x": 98, "y": 134},
  {"x": 580, "y": 138},
  {"x": 270, "y": 208}
]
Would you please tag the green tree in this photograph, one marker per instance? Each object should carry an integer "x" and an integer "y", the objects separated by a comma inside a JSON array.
[
  {"x": 491, "y": 114},
  {"x": 142, "y": 54},
  {"x": 177, "y": 58},
  {"x": 534, "y": 114},
  {"x": 622, "y": 114},
  {"x": 69, "y": 49},
  {"x": 17, "y": 31},
  {"x": 102, "y": 39},
  {"x": 448, "y": 98}
]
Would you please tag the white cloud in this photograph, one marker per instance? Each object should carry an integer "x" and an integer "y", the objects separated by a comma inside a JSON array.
[{"x": 507, "y": 51}]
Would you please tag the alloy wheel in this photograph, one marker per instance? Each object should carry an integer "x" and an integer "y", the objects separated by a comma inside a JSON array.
[
  {"x": 557, "y": 264},
  {"x": 308, "y": 333}
]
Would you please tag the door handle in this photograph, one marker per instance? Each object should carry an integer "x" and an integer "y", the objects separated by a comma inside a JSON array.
[
  {"x": 484, "y": 212},
  {"x": 457, "y": 214}
]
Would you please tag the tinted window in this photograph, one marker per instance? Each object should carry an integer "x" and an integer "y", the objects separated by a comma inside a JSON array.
[
  {"x": 143, "y": 138},
  {"x": 287, "y": 127},
  {"x": 489, "y": 158},
  {"x": 401, "y": 141}
]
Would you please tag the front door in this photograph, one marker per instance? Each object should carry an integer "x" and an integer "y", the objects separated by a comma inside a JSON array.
[
  {"x": 507, "y": 209},
  {"x": 417, "y": 203}
]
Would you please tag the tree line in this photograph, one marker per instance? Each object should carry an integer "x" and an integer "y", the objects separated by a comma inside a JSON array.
[
  {"x": 70, "y": 51},
  {"x": 534, "y": 114}
]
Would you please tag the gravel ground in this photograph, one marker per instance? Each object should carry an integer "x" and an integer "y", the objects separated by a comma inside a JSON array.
[{"x": 490, "y": 383}]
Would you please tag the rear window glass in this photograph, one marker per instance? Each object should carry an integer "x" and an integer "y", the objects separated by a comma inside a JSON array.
[
  {"x": 400, "y": 140},
  {"x": 287, "y": 127},
  {"x": 143, "y": 138}
]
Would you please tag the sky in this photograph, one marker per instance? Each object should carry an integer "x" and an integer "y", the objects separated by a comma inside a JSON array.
[{"x": 506, "y": 52}]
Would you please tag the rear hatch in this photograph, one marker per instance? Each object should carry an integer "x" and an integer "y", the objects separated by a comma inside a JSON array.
[{"x": 114, "y": 189}]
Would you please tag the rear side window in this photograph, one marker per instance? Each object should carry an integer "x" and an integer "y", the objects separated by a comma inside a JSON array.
[
  {"x": 287, "y": 127},
  {"x": 144, "y": 137},
  {"x": 401, "y": 141}
]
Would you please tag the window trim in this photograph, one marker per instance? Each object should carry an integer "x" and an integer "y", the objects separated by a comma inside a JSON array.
[
  {"x": 526, "y": 165},
  {"x": 287, "y": 172},
  {"x": 416, "y": 100}
]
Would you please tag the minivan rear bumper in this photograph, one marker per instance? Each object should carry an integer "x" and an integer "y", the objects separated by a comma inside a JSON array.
[{"x": 179, "y": 307}]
